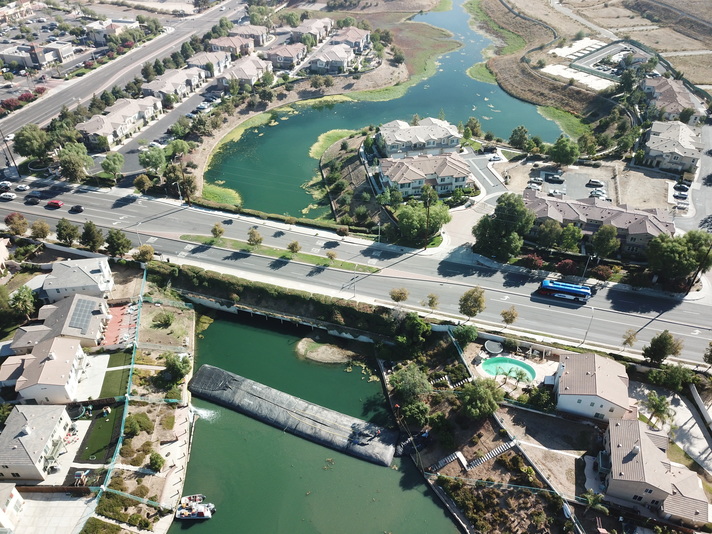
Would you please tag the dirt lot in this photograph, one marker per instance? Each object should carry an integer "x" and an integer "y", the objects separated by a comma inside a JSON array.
[
  {"x": 127, "y": 282},
  {"x": 178, "y": 335}
]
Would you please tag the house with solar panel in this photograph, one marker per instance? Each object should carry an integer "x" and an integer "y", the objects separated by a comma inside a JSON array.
[
  {"x": 78, "y": 317},
  {"x": 49, "y": 374},
  {"x": 31, "y": 442},
  {"x": 91, "y": 277}
]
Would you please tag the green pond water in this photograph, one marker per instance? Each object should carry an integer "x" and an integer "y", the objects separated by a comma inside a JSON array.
[
  {"x": 263, "y": 480},
  {"x": 270, "y": 164}
]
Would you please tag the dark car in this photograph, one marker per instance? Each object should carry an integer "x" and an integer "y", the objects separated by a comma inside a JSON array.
[
  {"x": 32, "y": 201},
  {"x": 35, "y": 194},
  {"x": 681, "y": 187},
  {"x": 76, "y": 209}
]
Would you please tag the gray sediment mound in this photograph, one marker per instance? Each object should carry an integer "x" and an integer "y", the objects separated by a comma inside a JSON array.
[{"x": 294, "y": 415}]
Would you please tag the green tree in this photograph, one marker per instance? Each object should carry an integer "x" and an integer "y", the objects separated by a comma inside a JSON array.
[
  {"x": 415, "y": 331},
  {"x": 671, "y": 256},
  {"x": 519, "y": 137},
  {"x": 23, "y": 301},
  {"x": 509, "y": 315},
  {"x": 662, "y": 346},
  {"x": 67, "y": 232},
  {"x": 707, "y": 356},
  {"x": 294, "y": 247},
  {"x": 178, "y": 147},
  {"x": 502, "y": 234},
  {"x": 549, "y": 233},
  {"x": 630, "y": 337},
  {"x": 416, "y": 223},
  {"x": 143, "y": 183},
  {"x": 177, "y": 366},
  {"x": 594, "y": 501},
  {"x": 144, "y": 253},
  {"x": 414, "y": 412},
  {"x": 472, "y": 302},
  {"x": 465, "y": 334},
  {"x": 74, "y": 160},
  {"x": 564, "y": 151},
  {"x": 481, "y": 398},
  {"x": 254, "y": 238},
  {"x": 686, "y": 114},
  {"x": 605, "y": 241},
  {"x": 428, "y": 196},
  {"x": 32, "y": 142},
  {"x": 117, "y": 244},
  {"x": 113, "y": 163},
  {"x": 399, "y": 294},
  {"x": 156, "y": 462},
  {"x": 659, "y": 408},
  {"x": 410, "y": 383},
  {"x": 153, "y": 159},
  {"x": 699, "y": 243},
  {"x": 5, "y": 410},
  {"x": 570, "y": 238},
  {"x": 92, "y": 237},
  {"x": 218, "y": 230},
  {"x": 432, "y": 301},
  {"x": 40, "y": 229}
]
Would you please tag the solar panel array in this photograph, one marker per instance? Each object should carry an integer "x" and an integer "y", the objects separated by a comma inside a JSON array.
[{"x": 81, "y": 316}]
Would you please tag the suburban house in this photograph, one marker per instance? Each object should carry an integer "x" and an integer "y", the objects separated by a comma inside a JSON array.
[
  {"x": 176, "y": 83},
  {"x": 246, "y": 70},
  {"x": 4, "y": 252},
  {"x": 11, "y": 505},
  {"x": 120, "y": 120},
  {"x": 99, "y": 30},
  {"x": 637, "y": 472},
  {"x": 237, "y": 46},
  {"x": 671, "y": 97},
  {"x": 636, "y": 227},
  {"x": 317, "y": 28},
  {"x": 356, "y": 38},
  {"x": 34, "y": 56},
  {"x": 672, "y": 146},
  {"x": 593, "y": 386},
  {"x": 444, "y": 172},
  {"x": 332, "y": 59},
  {"x": 430, "y": 136},
  {"x": 219, "y": 60},
  {"x": 286, "y": 56},
  {"x": 77, "y": 317},
  {"x": 31, "y": 441},
  {"x": 258, "y": 34},
  {"x": 91, "y": 276},
  {"x": 15, "y": 11},
  {"x": 50, "y": 374}
]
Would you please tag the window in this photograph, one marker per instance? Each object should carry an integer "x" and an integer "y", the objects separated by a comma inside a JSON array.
[
  {"x": 598, "y": 415},
  {"x": 2, "y": 475},
  {"x": 637, "y": 498},
  {"x": 578, "y": 401},
  {"x": 593, "y": 404},
  {"x": 610, "y": 409},
  {"x": 655, "y": 502},
  {"x": 5, "y": 467},
  {"x": 648, "y": 491},
  {"x": 16, "y": 475}
]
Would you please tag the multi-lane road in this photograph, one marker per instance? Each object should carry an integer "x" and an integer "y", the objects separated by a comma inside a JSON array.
[{"x": 603, "y": 321}]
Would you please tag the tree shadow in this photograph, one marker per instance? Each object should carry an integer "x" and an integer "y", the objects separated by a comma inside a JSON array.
[
  {"x": 706, "y": 223},
  {"x": 278, "y": 263},
  {"x": 199, "y": 249},
  {"x": 331, "y": 244},
  {"x": 634, "y": 301},
  {"x": 317, "y": 269},
  {"x": 237, "y": 255},
  {"x": 278, "y": 233},
  {"x": 512, "y": 279}
]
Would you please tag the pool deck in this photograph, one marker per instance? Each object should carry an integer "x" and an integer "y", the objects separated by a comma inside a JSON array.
[{"x": 542, "y": 367}]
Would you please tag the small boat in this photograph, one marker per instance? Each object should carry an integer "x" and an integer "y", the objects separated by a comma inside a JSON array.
[{"x": 194, "y": 507}]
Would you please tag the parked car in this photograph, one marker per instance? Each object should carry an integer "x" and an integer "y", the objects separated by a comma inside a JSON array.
[
  {"x": 190, "y": 115},
  {"x": 495, "y": 158},
  {"x": 22, "y": 187},
  {"x": 554, "y": 178},
  {"x": 204, "y": 105},
  {"x": 32, "y": 201},
  {"x": 55, "y": 204},
  {"x": 8, "y": 196},
  {"x": 535, "y": 187},
  {"x": 680, "y": 195},
  {"x": 681, "y": 187},
  {"x": 35, "y": 194},
  {"x": 556, "y": 192},
  {"x": 536, "y": 180},
  {"x": 594, "y": 183},
  {"x": 597, "y": 193}
]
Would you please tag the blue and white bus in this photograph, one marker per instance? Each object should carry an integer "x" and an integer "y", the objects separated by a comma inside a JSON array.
[{"x": 563, "y": 290}]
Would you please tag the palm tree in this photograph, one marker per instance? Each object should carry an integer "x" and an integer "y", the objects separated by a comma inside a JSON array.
[
  {"x": 659, "y": 408},
  {"x": 520, "y": 375},
  {"x": 594, "y": 501}
]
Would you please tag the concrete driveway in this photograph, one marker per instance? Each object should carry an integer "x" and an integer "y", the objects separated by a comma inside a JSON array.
[{"x": 53, "y": 512}]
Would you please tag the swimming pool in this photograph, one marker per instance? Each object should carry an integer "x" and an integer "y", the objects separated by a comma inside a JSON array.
[{"x": 501, "y": 365}]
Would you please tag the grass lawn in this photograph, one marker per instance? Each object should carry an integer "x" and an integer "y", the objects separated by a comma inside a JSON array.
[
  {"x": 222, "y": 195},
  {"x": 242, "y": 246},
  {"x": 481, "y": 73},
  {"x": 98, "y": 442},
  {"x": 115, "y": 383},
  {"x": 572, "y": 125},
  {"x": 119, "y": 359}
]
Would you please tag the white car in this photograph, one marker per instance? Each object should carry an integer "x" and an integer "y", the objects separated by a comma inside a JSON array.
[
  {"x": 495, "y": 158},
  {"x": 595, "y": 183},
  {"x": 598, "y": 193},
  {"x": 556, "y": 192},
  {"x": 204, "y": 105},
  {"x": 9, "y": 137},
  {"x": 23, "y": 187},
  {"x": 5, "y": 184},
  {"x": 535, "y": 187},
  {"x": 8, "y": 196}
]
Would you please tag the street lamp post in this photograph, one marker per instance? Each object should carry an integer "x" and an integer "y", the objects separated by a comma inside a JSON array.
[
  {"x": 379, "y": 231},
  {"x": 7, "y": 147}
]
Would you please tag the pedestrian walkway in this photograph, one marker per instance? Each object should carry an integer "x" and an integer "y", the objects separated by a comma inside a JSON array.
[{"x": 491, "y": 454}]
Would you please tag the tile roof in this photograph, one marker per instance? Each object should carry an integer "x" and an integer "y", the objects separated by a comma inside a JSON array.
[
  {"x": 290, "y": 50},
  {"x": 50, "y": 362},
  {"x": 428, "y": 129},
  {"x": 409, "y": 169},
  {"x": 672, "y": 95},
  {"x": 688, "y": 499},
  {"x": 17, "y": 447},
  {"x": 329, "y": 53},
  {"x": 352, "y": 34},
  {"x": 231, "y": 41},
  {"x": 674, "y": 137},
  {"x": 593, "y": 374},
  {"x": 635, "y": 457},
  {"x": 76, "y": 273}
]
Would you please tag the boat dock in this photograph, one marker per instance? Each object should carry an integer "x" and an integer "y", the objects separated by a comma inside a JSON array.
[{"x": 291, "y": 414}]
